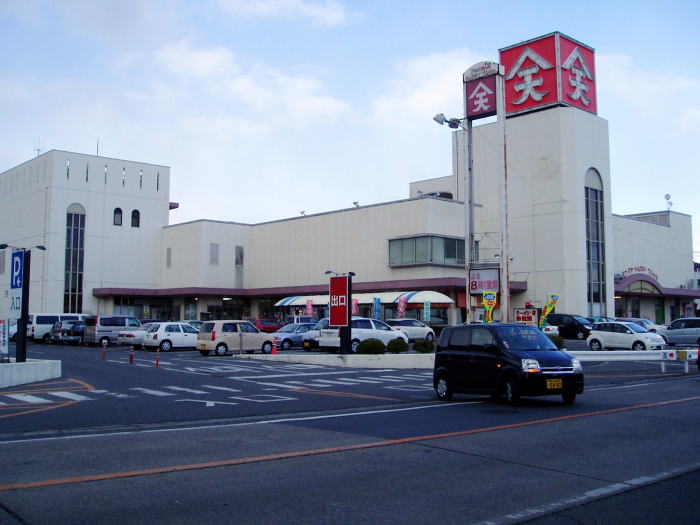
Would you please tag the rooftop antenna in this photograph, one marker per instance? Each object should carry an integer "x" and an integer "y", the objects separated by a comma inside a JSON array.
[
  {"x": 38, "y": 147},
  {"x": 668, "y": 201},
  {"x": 98, "y": 147}
]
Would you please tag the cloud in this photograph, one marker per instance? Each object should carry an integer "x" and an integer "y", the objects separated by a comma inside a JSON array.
[
  {"x": 186, "y": 61},
  {"x": 424, "y": 86},
  {"x": 328, "y": 13}
]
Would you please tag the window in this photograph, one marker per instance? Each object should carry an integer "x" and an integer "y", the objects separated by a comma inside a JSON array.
[
  {"x": 361, "y": 323},
  {"x": 229, "y": 327},
  {"x": 117, "y": 217},
  {"x": 595, "y": 243},
  {"x": 135, "y": 219},
  {"x": 189, "y": 329},
  {"x": 426, "y": 249},
  {"x": 74, "y": 259},
  {"x": 239, "y": 256},
  {"x": 2, "y": 262},
  {"x": 213, "y": 253},
  {"x": 168, "y": 257},
  {"x": 172, "y": 328}
]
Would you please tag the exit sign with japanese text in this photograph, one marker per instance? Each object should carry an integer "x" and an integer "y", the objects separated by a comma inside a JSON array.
[{"x": 338, "y": 292}]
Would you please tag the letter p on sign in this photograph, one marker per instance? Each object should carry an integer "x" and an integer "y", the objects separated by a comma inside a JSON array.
[{"x": 17, "y": 268}]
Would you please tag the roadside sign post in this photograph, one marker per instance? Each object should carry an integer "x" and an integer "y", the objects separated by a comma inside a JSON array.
[
  {"x": 340, "y": 293},
  {"x": 19, "y": 284},
  {"x": 4, "y": 337}
]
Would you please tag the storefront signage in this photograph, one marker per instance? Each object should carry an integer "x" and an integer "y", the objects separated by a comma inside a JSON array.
[
  {"x": 338, "y": 292},
  {"x": 355, "y": 307},
  {"x": 4, "y": 345},
  {"x": 376, "y": 308},
  {"x": 16, "y": 284},
  {"x": 550, "y": 70},
  {"x": 426, "y": 311},
  {"x": 483, "y": 280},
  {"x": 526, "y": 316},
  {"x": 639, "y": 269},
  {"x": 309, "y": 307},
  {"x": 402, "y": 306},
  {"x": 552, "y": 300},
  {"x": 489, "y": 301}
]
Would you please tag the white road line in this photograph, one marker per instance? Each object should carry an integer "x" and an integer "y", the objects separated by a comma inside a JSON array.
[
  {"x": 360, "y": 380},
  {"x": 222, "y": 388},
  {"x": 152, "y": 392},
  {"x": 188, "y": 390},
  {"x": 70, "y": 395},
  {"x": 332, "y": 382},
  {"x": 391, "y": 378},
  {"x": 26, "y": 398},
  {"x": 297, "y": 375}
]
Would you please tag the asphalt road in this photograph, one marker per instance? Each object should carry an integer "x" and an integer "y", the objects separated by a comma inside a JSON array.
[{"x": 353, "y": 446}]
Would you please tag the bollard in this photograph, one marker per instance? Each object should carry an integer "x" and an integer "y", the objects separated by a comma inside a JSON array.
[
  {"x": 274, "y": 346},
  {"x": 131, "y": 356},
  {"x": 158, "y": 357}
]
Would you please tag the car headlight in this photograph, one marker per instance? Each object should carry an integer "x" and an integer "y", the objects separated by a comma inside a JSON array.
[
  {"x": 576, "y": 364},
  {"x": 530, "y": 365}
]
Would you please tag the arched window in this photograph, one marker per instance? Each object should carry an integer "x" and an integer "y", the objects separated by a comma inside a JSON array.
[
  {"x": 595, "y": 243},
  {"x": 75, "y": 256},
  {"x": 117, "y": 216},
  {"x": 135, "y": 219}
]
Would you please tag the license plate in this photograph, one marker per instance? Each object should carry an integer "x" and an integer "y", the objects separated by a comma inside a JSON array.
[
  {"x": 307, "y": 344},
  {"x": 202, "y": 346},
  {"x": 554, "y": 383}
]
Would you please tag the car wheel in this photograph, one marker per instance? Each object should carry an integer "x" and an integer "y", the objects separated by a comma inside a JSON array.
[
  {"x": 204, "y": 352},
  {"x": 165, "y": 346},
  {"x": 580, "y": 336},
  {"x": 353, "y": 345},
  {"x": 568, "y": 398},
  {"x": 429, "y": 337},
  {"x": 286, "y": 344},
  {"x": 512, "y": 391},
  {"x": 221, "y": 349},
  {"x": 595, "y": 345},
  {"x": 267, "y": 347},
  {"x": 104, "y": 342},
  {"x": 638, "y": 345},
  {"x": 443, "y": 388},
  {"x": 46, "y": 339}
]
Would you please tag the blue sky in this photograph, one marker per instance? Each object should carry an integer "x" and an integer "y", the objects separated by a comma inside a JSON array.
[{"x": 266, "y": 108}]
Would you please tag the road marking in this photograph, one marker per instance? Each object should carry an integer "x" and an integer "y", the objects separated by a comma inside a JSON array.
[
  {"x": 263, "y": 398},
  {"x": 207, "y": 403},
  {"x": 227, "y": 389},
  {"x": 152, "y": 392},
  {"x": 342, "y": 394},
  {"x": 26, "y": 398},
  {"x": 188, "y": 390},
  {"x": 70, "y": 395}
]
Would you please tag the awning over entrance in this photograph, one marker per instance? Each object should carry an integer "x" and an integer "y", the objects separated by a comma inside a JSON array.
[{"x": 418, "y": 297}]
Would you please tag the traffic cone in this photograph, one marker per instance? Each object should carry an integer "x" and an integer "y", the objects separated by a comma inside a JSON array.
[{"x": 274, "y": 346}]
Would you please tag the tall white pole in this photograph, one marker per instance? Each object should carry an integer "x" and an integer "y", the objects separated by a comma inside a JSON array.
[
  {"x": 503, "y": 198},
  {"x": 468, "y": 209}
]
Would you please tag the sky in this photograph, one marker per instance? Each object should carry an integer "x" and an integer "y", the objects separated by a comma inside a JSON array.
[{"x": 264, "y": 109}]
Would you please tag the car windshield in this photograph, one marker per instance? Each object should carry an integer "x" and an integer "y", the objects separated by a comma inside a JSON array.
[
  {"x": 636, "y": 328},
  {"x": 524, "y": 338},
  {"x": 582, "y": 320}
]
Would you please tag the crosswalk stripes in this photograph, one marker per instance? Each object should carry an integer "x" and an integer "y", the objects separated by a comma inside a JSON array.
[
  {"x": 188, "y": 390},
  {"x": 27, "y": 398},
  {"x": 71, "y": 395}
]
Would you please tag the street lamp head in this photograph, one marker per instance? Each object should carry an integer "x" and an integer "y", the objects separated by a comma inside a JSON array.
[
  {"x": 41, "y": 247},
  {"x": 3, "y": 246},
  {"x": 440, "y": 118},
  {"x": 453, "y": 123},
  {"x": 328, "y": 272}
]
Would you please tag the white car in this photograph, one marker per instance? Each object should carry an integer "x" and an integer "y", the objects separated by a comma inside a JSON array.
[
  {"x": 167, "y": 336},
  {"x": 623, "y": 335},
  {"x": 551, "y": 329},
  {"x": 361, "y": 328},
  {"x": 413, "y": 329},
  {"x": 133, "y": 337},
  {"x": 311, "y": 337}
]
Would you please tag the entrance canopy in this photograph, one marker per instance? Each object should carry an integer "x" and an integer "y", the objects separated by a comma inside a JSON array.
[{"x": 368, "y": 298}]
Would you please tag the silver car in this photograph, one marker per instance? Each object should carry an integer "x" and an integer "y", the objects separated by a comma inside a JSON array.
[{"x": 685, "y": 331}]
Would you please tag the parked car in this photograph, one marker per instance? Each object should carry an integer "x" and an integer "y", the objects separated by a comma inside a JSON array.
[
  {"x": 104, "y": 329},
  {"x": 550, "y": 330},
  {"x": 291, "y": 335},
  {"x": 361, "y": 328},
  {"x": 194, "y": 322},
  {"x": 644, "y": 323},
  {"x": 299, "y": 319},
  {"x": 267, "y": 325},
  {"x": 133, "y": 337},
  {"x": 39, "y": 325},
  {"x": 166, "y": 336},
  {"x": 619, "y": 334},
  {"x": 682, "y": 331},
  {"x": 570, "y": 326},
  {"x": 310, "y": 338},
  {"x": 12, "y": 331},
  {"x": 234, "y": 335},
  {"x": 503, "y": 359},
  {"x": 413, "y": 328},
  {"x": 594, "y": 320},
  {"x": 68, "y": 332}
]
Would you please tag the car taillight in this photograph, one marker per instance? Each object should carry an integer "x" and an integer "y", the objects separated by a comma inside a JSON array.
[
  {"x": 128, "y": 335},
  {"x": 213, "y": 335}
]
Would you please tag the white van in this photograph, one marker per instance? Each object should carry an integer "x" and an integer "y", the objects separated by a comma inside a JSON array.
[
  {"x": 39, "y": 325},
  {"x": 104, "y": 329}
]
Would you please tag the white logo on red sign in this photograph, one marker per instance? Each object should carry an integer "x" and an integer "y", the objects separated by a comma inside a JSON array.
[
  {"x": 527, "y": 71},
  {"x": 579, "y": 73}
]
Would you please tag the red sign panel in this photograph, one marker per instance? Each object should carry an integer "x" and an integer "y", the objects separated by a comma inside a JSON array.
[
  {"x": 548, "y": 71},
  {"x": 339, "y": 301},
  {"x": 480, "y": 97}
]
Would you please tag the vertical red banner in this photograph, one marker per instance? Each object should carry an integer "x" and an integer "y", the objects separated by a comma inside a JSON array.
[
  {"x": 309, "y": 307},
  {"x": 355, "y": 307},
  {"x": 402, "y": 306},
  {"x": 338, "y": 292}
]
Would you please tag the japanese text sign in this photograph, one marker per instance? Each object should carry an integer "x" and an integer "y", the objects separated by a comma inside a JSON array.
[
  {"x": 480, "y": 97},
  {"x": 483, "y": 280},
  {"x": 526, "y": 316},
  {"x": 551, "y": 70},
  {"x": 339, "y": 301},
  {"x": 489, "y": 301}
]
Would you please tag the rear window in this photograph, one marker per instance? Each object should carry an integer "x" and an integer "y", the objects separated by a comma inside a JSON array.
[
  {"x": 112, "y": 321},
  {"x": 91, "y": 321},
  {"x": 46, "y": 319},
  {"x": 69, "y": 318},
  {"x": 206, "y": 328}
]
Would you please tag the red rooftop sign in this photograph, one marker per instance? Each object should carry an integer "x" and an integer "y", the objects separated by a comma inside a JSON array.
[{"x": 551, "y": 70}]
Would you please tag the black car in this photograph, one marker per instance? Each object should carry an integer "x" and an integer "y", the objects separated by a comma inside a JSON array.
[
  {"x": 570, "y": 326},
  {"x": 504, "y": 359}
]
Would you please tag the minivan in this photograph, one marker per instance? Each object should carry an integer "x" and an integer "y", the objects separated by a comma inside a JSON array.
[
  {"x": 570, "y": 326},
  {"x": 39, "y": 325},
  {"x": 104, "y": 329},
  {"x": 503, "y": 359},
  {"x": 234, "y": 335}
]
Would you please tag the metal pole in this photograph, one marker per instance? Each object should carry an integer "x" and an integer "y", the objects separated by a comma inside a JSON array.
[
  {"x": 21, "y": 348},
  {"x": 503, "y": 198},
  {"x": 469, "y": 201},
  {"x": 346, "y": 331}
]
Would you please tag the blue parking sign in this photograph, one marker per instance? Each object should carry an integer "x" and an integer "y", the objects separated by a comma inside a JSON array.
[{"x": 17, "y": 269}]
